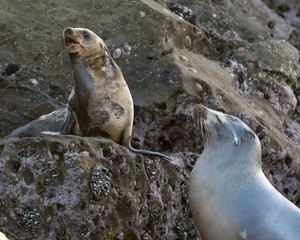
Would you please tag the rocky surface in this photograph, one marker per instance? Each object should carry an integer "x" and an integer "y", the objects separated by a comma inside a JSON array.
[
  {"x": 240, "y": 57},
  {"x": 66, "y": 187}
]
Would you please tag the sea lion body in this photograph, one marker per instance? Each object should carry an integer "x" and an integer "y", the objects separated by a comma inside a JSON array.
[
  {"x": 51, "y": 122},
  {"x": 3, "y": 236},
  {"x": 230, "y": 197},
  {"x": 100, "y": 103}
]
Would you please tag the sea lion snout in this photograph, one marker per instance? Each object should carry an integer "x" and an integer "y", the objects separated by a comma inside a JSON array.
[
  {"x": 68, "y": 35},
  {"x": 67, "y": 30},
  {"x": 72, "y": 39}
]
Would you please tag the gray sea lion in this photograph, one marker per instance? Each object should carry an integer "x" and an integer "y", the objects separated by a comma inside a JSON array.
[
  {"x": 51, "y": 122},
  {"x": 2, "y": 236},
  {"x": 230, "y": 197},
  {"x": 100, "y": 103}
]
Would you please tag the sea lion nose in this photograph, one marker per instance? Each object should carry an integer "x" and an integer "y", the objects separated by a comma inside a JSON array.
[{"x": 68, "y": 30}]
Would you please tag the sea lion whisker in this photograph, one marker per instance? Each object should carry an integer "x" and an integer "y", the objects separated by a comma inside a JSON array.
[{"x": 202, "y": 130}]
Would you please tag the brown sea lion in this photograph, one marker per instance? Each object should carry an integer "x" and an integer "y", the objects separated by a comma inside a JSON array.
[
  {"x": 100, "y": 103},
  {"x": 230, "y": 197}
]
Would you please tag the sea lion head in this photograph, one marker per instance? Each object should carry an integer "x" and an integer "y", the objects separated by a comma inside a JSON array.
[
  {"x": 83, "y": 42},
  {"x": 217, "y": 126}
]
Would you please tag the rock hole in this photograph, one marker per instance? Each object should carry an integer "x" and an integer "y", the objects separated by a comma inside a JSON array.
[
  {"x": 28, "y": 177},
  {"x": 83, "y": 206},
  {"x": 286, "y": 190},
  {"x": 57, "y": 147},
  {"x": 162, "y": 106},
  {"x": 150, "y": 58},
  {"x": 283, "y": 8},
  {"x": 165, "y": 145},
  {"x": 294, "y": 192},
  {"x": 168, "y": 125},
  {"x": 107, "y": 152},
  {"x": 11, "y": 69},
  {"x": 288, "y": 161},
  {"x": 271, "y": 24},
  {"x": 266, "y": 96},
  {"x": 59, "y": 206},
  {"x": 15, "y": 167},
  {"x": 148, "y": 196},
  {"x": 151, "y": 42},
  {"x": 40, "y": 188},
  {"x": 96, "y": 220}
]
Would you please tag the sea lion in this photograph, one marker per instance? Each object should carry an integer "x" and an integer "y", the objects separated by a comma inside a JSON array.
[
  {"x": 2, "y": 236},
  {"x": 230, "y": 197},
  {"x": 50, "y": 122},
  {"x": 100, "y": 103}
]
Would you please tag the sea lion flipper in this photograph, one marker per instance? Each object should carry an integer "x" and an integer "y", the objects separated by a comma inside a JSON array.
[
  {"x": 69, "y": 122},
  {"x": 126, "y": 141},
  {"x": 146, "y": 152}
]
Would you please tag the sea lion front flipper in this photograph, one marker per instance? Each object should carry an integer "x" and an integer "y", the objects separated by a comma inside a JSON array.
[
  {"x": 126, "y": 141},
  {"x": 70, "y": 125}
]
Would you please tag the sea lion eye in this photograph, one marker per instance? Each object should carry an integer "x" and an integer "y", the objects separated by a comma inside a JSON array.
[{"x": 85, "y": 34}]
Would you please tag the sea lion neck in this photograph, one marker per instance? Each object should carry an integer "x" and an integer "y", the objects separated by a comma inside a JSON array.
[
  {"x": 93, "y": 61},
  {"x": 82, "y": 77}
]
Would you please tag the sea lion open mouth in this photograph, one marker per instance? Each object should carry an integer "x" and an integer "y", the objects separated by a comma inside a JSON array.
[{"x": 70, "y": 41}]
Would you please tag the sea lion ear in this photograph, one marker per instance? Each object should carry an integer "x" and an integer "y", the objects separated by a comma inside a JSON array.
[{"x": 101, "y": 45}]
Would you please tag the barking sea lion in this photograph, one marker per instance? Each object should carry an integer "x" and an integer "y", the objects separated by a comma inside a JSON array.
[{"x": 100, "y": 103}]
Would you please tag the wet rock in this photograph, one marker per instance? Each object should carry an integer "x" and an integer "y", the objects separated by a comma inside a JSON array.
[{"x": 90, "y": 197}]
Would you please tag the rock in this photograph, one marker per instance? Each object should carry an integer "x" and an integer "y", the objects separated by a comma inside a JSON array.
[
  {"x": 96, "y": 196},
  {"x": 228, "y": 55},
  {"x": 276, "y": 56}
]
